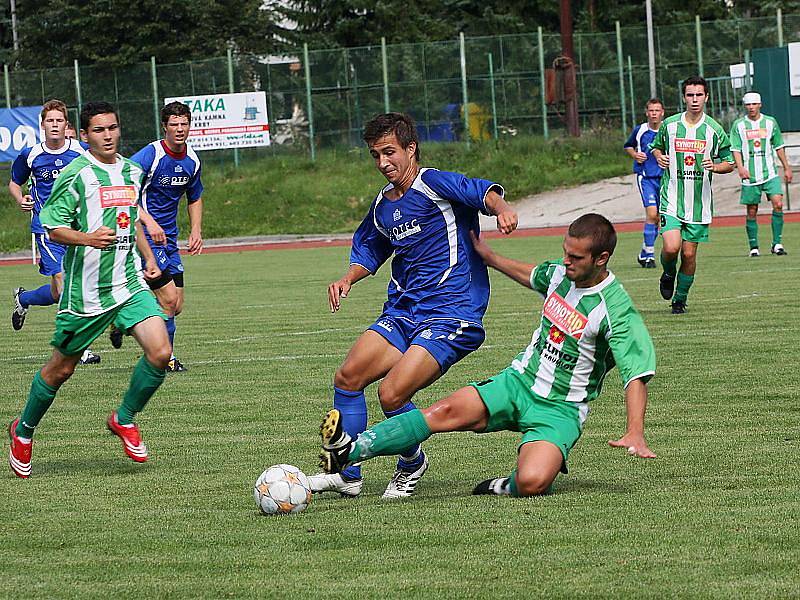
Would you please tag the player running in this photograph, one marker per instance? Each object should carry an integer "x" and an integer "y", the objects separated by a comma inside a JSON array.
[
  {"x": 648, "y": 176},
  {"x": 685, "y": 147},
  {"x": 755, "y": 139},
  {"x": 172, "y": 169},
  {"x": 438, "y": 290},
  {"x": 41, "y": 165},
  {"x": 93, "y": 210},
  {"x": 588, "y": 325}
]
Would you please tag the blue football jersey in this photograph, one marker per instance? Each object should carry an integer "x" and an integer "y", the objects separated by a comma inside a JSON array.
[
  {"x": 640, "y": 139},
  {"x": 435, "y": 272},
  {"x": 42, "y": 166},
  {"x": 167, "y": 177}
]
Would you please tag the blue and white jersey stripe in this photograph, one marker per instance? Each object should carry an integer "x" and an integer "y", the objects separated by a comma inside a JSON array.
[{"x": 640, "y": 139}]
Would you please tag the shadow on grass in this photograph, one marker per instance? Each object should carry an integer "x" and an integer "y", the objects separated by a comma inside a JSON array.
[{"x": 96, "y": 466}]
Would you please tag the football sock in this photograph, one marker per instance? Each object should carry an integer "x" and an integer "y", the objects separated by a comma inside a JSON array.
[
  {"x": 145, "y": 380},
  {"x": 777, "y": 227},
  {"x": 412, "y": 457},
  {"x": 512, "y": 484},
  {"x": 41, "y": 296},
  {"x": 39, "y": 400},
  {"x": 650, "y": 234},
  {"x": 353, "y": 408},
  {"x": 670, "y": 267},
  {"x": 391, "y": 436},
  {"x": 171, "y": 333},
  {"x": 751, "y": 226},
  {"x": 682, "y": 288}
]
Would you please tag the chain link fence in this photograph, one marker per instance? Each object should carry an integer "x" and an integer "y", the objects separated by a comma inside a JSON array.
[{"x": 499, "y": 90}]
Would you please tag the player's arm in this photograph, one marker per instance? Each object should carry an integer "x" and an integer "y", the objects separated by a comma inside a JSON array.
[
  {"x": 102, "y": 237},
  {"x": 630, "y": 149},
  {"x": 635, "y": 408},
  {"x": 151, "y": 270},
  {"x": 787, "y": 169},
  {"x": 20, "y": 172},
  {"x": 340, "y": 288},
  {"x": 23, "y": 200},
  {"x": 154, "y": 229},
  {"x": 658, "y": 147},
  {"x": 195, "y": 210},
  {"x": 59, "y": 213},
  {"x": 737, "y": 159},
  {"x": 515, "y": 269},
  {"x": 507, "y": 218},
  {"x": 724, "y": 154}
]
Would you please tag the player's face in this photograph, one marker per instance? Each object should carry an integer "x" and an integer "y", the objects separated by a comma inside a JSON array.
[
  {"x": 103, "y": 137},
  {"x": 392, "y": 160},
  {"x": 54, "y": 124},
  {"x": 582, "y": 268},
  {"x": 176, "y": 130},
  {"x": 695, "y": 98},
  {"x": 69, "y": 132},
  {"x": 753, "y": 109},
  {"x": 655, "y": 114}
]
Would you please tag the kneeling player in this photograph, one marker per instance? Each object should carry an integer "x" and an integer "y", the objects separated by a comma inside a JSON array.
[{"x": 588, "y": 325}]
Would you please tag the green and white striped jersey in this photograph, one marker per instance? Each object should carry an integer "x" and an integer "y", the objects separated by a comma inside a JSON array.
[
  {"x": 582, "y": 335},
  {"x": 686, "y": 185},
  {"x": 87, "y": 195},
  {"x": 757, "y": 142}
]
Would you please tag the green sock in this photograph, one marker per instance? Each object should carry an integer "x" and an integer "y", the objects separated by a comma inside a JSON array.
[
  {"x": 145, "y": 380},
  {"x": 777, "y": 227},
  {"x": 751, "y": 226},
  {"x": 682, "y": 288},
  {"x": 391, "y": 436},
  {"x": 670, "y": 267},
  {"x": 39, "y": 400},
  {"x": 512, "y": 484}
]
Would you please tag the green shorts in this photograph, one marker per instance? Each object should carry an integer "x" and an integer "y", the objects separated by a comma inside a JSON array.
[
  {"x": 751, "y": 194},
  {"x": 512, "y": 406},
  {"x": 74, "y": 334},
  {"x": 690, "y": 232}
]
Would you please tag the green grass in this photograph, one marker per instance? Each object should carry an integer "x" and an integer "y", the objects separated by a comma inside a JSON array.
[
  {"x": 715, "y": 515},
  {"x": 286, "y": 193}
]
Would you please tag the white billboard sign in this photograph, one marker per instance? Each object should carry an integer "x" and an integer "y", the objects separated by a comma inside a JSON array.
[
  {"x": 221, "y": 121},
  {"x": 794, "y": 69}
]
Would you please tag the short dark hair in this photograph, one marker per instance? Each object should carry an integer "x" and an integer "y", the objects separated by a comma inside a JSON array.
[
  {"x": 694, "y": 80},
  {"x": 653, "y": 101},
  {"x": 597, "y": 227},
  {"x": 175, "y": 109},
  {"x": 400, "y": 124},
  {"x": 92, "y": 109}
]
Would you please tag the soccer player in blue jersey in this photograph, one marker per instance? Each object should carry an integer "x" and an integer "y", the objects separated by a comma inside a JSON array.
[
  {"x": 438, "y": 290},
  {"x": 648, "y": 177},
  {"x": 39, "y": 166},
  {"x": 172, "y": 169}
]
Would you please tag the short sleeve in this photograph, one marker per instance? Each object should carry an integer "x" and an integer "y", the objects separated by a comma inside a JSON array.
[
  {"x": 542, "y": 275},
  {"x": 370, "y": 247},
  {"x": 631, "y": 141},
  {"x": 460, "y": 188},
  {"x": 736, "y": 137},
  {"x": 777, "y": 136},
  {"x": 631, "y": 346},
  {"x": 20, "y": 171},
  {"x": 661, "y": 141},
  {"x": 61, "y": 207},
  {"x": 194, "y": 191},
  {"x": 724, "y": 147}
]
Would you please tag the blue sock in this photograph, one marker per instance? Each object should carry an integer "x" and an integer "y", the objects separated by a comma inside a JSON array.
[
  {"x": 41, "y": 296},
  {"x": 171, "y": 333},
  {"x": 410, "y": 458},
  {"x": 650, "y": 235},
  {"x": 353, "y": 407}
]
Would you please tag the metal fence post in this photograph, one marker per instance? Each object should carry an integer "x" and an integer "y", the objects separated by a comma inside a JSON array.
[
  {"x": 464, "y": 98},
  {"x": 748, "y": 82},
  {"x": 78, "y": 86},
  {"x": 156, "y": 103},
  {"x": 779, "y": 18},
  {"x": 630, "y": 84},
  {"x": 385, "y": 68},
  {"x": 7, "y": 85},
  {"x": 699, "y": 40},
  {"x": 542, "y": 85},
  {"x": 309, "y": 104},
  {"x": 232, "y": 90},
  {"x": 621, "y": 68},
  {"x": 494, "y": 102}
]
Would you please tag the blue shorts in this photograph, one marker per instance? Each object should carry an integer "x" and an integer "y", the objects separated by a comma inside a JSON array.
[
  {"x": 168, "y": 257},
  {"x": 51, "y": 254},
  {"x": 448, "y": 340},
  {"x": 649, "y": 189}
]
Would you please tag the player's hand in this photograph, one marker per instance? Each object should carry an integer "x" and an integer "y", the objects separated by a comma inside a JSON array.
[
  {"x": 195, "y": 243},
  {"x": 787, "y": 176},
  {"x": 743, "y": 173},
  {"x": 635, "y": 444},
  {"x": 708, "y": 163},
  {"x": 481, "y": 247},
  {"x": 157, "y": 234},
  {"x": 26, "y": 203},
  {"x": 336, "y": 291},
  {"x": 507, "y": 221},
  {"x": 640, "y": 157},
  {"x": 102, "y": 237},
  {"x": 151, "y": 271},
  {"x": 663, "y": 161}
]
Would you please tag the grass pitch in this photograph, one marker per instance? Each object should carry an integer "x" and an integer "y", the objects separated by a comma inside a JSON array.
[{"x": 715, "y": 515}]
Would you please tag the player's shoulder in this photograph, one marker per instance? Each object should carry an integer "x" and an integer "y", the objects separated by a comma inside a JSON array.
[
  {"x": 73, "y": 169},
  {"x": 672, "y": 119},
  {"x": 619, "y": 304},
  {"x": 135, "y": 167},
  {"x": 737, "y": 122},
  {"x": 770, "y": 119},
  {"x": 192, "y": 154},
  {"x": 714, "y": 124}
]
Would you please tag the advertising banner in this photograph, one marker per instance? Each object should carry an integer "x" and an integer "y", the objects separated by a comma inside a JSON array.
[{"x": 19, "y": 128}]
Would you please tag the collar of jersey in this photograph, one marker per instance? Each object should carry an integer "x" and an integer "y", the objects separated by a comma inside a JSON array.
[
  {"x": 695, "y": 126},
  {"x": 597, "y": 287},
  {"x": 61, "y": 150},
  {"x": 117, "y": 165},
  {"x": 170, "y": 153}
]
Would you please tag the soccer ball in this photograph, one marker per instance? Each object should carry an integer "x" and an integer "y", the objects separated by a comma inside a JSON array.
[{"x": 281, "y": 490}]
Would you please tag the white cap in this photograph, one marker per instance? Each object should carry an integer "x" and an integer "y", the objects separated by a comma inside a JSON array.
[{"x": 751, "y": 98}]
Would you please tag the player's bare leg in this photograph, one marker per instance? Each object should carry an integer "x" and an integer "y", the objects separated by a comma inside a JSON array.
[
  {"x": 777, "y": 224},
  {"x": 538, "y": 464}
]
